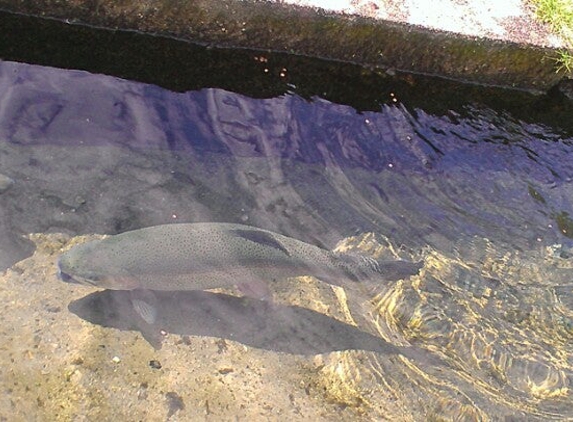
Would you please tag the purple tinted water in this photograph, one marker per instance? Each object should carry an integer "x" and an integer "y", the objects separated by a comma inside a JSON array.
[{"x": 479, "y": 194}]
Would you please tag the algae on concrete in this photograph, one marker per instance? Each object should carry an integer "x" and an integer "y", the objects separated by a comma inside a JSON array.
[{"x": 292, "y": 29}]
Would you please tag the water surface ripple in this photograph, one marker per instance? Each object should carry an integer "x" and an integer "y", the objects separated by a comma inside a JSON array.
[{"x": 482, "y": 333}]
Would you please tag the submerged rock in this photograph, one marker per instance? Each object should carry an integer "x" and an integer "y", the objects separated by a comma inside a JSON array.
[{"x": 5, "y": 183}]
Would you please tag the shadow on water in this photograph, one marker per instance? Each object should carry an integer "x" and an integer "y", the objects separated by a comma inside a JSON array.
[
  {"x": 476, "y": 185},
  {"x": 288, "y": 329}
]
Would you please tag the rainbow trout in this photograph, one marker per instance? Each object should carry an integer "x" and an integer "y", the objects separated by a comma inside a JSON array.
[{"x": 200, "y": 256}]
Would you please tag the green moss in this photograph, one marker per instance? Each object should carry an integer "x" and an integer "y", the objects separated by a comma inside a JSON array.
[
  {"x": 559, "y": 15},
  {"x": 536, "y": 195},
  {"x": 565, "y": 224},
  {"x": 564, "y": 61}
]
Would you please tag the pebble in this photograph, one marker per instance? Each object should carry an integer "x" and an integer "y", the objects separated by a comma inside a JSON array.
[
  {"x": 155, "y": 364},
  {"x": 74, "y": 202},
  {"x": 5, "y": 183}
]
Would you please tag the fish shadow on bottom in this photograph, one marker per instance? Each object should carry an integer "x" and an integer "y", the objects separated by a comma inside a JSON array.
[{"x": 255, "y": 323}]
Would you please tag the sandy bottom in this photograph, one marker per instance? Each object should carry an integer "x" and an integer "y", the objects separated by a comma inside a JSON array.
[
  {"x": 61, "y": 367},
  {"x": 450, "y": 343}
]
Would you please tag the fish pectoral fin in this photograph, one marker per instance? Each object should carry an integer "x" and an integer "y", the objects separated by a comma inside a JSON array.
[
  {"x": 257, "y": 289},
  {"x": 143, "y": 302},
  {"x": 145, "y": 311}
]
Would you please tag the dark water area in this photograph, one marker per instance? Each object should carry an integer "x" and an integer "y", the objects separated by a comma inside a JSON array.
[
  {"x": 306, "y": 168},
  {"x": 476, "y": 186}
]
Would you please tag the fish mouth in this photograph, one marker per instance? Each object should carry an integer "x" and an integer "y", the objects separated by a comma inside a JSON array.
[{"x": 67, "y": 278}]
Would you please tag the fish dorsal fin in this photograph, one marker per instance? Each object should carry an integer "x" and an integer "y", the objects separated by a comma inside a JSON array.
[{"x": 262, "y": 238}]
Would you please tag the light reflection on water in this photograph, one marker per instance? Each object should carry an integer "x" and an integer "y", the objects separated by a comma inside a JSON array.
[{"x": 484, "y": 331}]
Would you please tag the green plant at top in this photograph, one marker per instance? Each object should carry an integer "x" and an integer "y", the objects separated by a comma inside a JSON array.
[
  {"x": 564, "y": 61},
  {"x": 559, "y": 15}
]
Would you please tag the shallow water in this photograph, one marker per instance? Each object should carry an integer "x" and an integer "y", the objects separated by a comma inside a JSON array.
[{"x": 481, "y": 196}]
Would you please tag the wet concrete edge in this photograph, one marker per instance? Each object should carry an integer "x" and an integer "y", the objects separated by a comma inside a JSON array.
[{"x": 312, "y": 32}]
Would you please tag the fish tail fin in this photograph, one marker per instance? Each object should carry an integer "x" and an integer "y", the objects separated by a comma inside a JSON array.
[{"x": 361, "y": 268}]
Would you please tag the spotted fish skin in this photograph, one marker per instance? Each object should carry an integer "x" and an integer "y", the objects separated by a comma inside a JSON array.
[{"x": 199, "y": 256}]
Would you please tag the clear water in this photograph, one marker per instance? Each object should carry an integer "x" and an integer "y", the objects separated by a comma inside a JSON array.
[{"x": 484, "y": 332}]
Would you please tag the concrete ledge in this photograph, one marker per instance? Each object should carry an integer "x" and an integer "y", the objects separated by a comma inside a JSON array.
[{"x": 312, "y": 32}]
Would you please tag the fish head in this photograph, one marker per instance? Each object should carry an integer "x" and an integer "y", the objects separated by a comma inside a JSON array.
[{"x": 91, "y": 264}]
